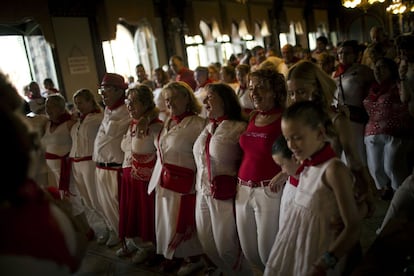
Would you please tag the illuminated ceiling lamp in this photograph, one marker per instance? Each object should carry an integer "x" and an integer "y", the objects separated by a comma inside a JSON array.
[
  {"x": 363, "y": 4},
  {"x": 397, "y": 7}
]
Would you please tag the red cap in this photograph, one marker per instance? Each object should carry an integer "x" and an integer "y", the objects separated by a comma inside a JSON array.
[{"x": 112, "y": 79}]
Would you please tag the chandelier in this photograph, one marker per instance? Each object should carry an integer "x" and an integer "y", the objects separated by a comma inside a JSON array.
[
  {"x": 364, "y": 4},
  {"x": 397, "y": 7}
]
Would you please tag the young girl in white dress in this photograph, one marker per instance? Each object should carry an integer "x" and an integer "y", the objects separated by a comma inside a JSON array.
[{"x": 306, "y": 243}]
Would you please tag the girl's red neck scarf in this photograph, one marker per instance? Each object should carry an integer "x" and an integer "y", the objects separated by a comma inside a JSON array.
[
  {"x": 117, "y": 104},
  {"x": 62, "y": 118},
  {"x": 178, "y": 118},
  {"x": 317, "y": 158},
  {"x": 341, "y": 69},
  {"x": 293, "y": 180}
]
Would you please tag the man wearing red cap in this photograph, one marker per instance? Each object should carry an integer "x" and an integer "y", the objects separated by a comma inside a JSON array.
[{"x": 108, "y": 154}]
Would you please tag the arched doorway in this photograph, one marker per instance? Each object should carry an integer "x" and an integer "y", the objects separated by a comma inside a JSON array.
[
  {"x": 132, "y": 45},
  {"x": 359, "y": 28}
]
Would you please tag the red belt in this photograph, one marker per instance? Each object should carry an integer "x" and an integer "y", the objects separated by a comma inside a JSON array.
[
  {"x": 65, "y": 167},
  {"x": 254, "y": 184}
]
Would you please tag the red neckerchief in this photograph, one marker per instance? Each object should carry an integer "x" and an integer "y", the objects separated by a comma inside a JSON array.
[
  {"x": 271, "y": 111},
  {"x": 62, "y": 118},
  {"x": 205, "y": 83},
  {"x": 178, "y": 118},
  {"x": 132, "y": 125},
  {"x": 217, "y": 121},
  {"x": 341, "y": 69},
  {"x": 293, "y": 180},
  {"x": 118, "y": 103},
  {"x": 317, "y": 158},
  {"x": 83, "y": 116}
]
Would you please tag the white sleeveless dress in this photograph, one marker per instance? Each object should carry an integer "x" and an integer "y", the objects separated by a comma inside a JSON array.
[{"x": 306, "y": 232}]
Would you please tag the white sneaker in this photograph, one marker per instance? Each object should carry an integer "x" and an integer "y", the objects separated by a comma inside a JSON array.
[
  {"x": 126, "y": 251},
  {"x": 189, "y": 268},
  {"x": 112, "y": 240},
  {"x": 103, "y": 238}
]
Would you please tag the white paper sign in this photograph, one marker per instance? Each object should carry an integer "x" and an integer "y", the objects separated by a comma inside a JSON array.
[{"x": 78, "y": 65}]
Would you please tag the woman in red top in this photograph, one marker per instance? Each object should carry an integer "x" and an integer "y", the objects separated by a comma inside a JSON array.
[
  {"x": 389, "y": 131},
  {"x": 257, "y": 206}
]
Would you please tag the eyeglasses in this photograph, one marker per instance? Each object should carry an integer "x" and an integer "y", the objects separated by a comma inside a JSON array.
[{"x": 104, "y": 89}]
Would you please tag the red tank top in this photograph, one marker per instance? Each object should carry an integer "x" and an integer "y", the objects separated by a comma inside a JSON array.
[{"x": 256, "y": 142}]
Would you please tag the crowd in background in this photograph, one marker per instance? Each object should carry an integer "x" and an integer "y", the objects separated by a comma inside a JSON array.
[{"x": 264, "y": 164}]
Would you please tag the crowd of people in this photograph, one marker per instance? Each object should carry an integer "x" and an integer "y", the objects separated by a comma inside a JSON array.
[{"x": 265, "y": 164}]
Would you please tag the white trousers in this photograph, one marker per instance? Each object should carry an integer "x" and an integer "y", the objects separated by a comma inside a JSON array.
[
  {"x": 216, "y": 229},
  {"x": 107, "y": 193},
  {"x": 84, "y": 178},
  {"x": 257, "y": 220}
]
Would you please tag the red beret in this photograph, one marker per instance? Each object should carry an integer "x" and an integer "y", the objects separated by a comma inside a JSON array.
[{"x": 112, "y": 79}]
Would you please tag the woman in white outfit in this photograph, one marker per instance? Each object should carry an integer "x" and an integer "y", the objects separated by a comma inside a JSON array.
[
  {"x": 175, "y": 202},
  {"x": 83, "y": 135},
  {"x": 216, "y": 224},
  {"x": 57, "y": 143}
]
